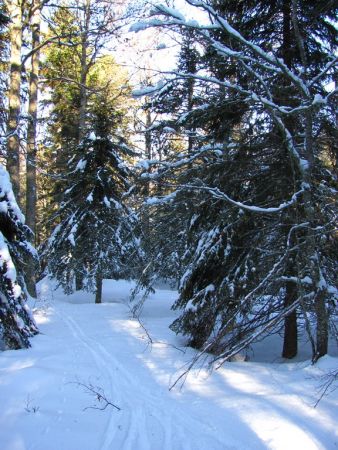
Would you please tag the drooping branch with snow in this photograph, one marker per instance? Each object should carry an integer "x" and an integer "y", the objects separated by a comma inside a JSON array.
[{"x": 255, "y": 189}]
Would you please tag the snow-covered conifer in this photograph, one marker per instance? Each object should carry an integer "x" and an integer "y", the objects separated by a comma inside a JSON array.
[
  {"x": 260, "y": 244},
  {"x": 95, "y": 237},
  {"x": 16, "y": 321}
]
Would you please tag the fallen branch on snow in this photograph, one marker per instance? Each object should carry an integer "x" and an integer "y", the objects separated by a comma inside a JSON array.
[
  {"x": 98, "y": 393},
  {"x": 328, "y": 385}
]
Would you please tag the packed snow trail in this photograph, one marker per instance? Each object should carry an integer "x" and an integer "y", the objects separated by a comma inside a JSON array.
[
  {"x": 248, "y": 405},
  {"x": 150, "y": 419}
]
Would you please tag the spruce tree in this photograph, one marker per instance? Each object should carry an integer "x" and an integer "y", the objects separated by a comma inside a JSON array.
[
  {"x": 250, "y": 267},
  {"x": 16, "y": 322},
  {"x": 95, "y": 238}
]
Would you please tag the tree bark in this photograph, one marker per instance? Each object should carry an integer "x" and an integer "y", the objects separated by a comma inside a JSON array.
[
  {"x": 190, "y": 99},
  {"x": 32, "y": 124},
  {"x": 83, "y": 95},
  {"x": 78, "y": 281},
  {"x": 84, "y": 71},
  {"x": 286, "y": 48},
  {"x": 313, "y": 256},
  {"x": 31, "y": 195},
  {"x": 322, "y": 331},
  {"x": 98, "y": 293},
  {"x": 14, "y": 102},
  {"x": 308, "y": 257},
  {"x": 290, "y": 343},
  {"x": 148, "y": 145}
]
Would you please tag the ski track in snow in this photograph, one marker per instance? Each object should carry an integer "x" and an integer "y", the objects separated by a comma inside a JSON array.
[
  {"x": 141, "y": 412},
  {"x": 251, "y": 406}
]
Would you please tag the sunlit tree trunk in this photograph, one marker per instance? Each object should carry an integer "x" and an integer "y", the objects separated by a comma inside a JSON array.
[
  {"x": 84, "y": 69},
  {"x": 32, "y": 124},
  {"x": 14, "y": 104},
  {"x": 83, "y": 92},
  {"x": 31, "y": 195}
]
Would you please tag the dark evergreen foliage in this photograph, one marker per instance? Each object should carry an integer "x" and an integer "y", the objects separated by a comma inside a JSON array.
[
  {"x": 95, "y": 238},
  {"x": 16, "y": 321},
  {"x": 259, "y": 141}
]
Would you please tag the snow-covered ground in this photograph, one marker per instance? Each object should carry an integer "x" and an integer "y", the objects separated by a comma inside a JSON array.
[{"x": 244, "y": 405}]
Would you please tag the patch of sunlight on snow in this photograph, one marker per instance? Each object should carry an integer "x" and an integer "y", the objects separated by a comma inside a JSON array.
[
  {"x": 42, "y": 317},
  {"x": 198, "y": 382},
  {"x": 159, "y": 350},
  {"x": 131, "y": 326},
  {"x": 273, "y": 420},
  {"x": 18, "y": 365},
  {"x": 278, "y": 432},
  {"x": 295, "y": 399},
  {"x": 275, "y": 429},
  {"x": 160, "y": 375},
  {"x": 241, "y": 383},
  {"x": 245, "y": 382}
]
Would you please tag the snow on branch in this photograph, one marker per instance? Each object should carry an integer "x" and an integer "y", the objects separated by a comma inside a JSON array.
[
  {"x": 183, "y": 160},
  {"x": 258, "y": 51},
  {"x": 253, "y": 337},
  {"x": 219, "y": 195},
  {"x": 256, "y": 62},
  {"x": 250, "y": 94},
  {"x": 328, "y": 66},
  {"x": 148, "y": 90},
  {"x": 228, "y": 354},
  {"x": 171, "y": 12},
  {"x": 152, "y": 201},
  {"x": 176, "y": 18}
]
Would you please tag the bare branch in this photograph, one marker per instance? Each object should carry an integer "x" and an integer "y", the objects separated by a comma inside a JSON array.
[
  {"x": 49, "y": 41},
  {"x": 328, "y": 385},
  {"x": 99, "y": 394}
]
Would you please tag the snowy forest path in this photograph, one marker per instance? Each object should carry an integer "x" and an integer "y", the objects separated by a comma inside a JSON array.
[
  {"x": 46, "y": 403},
  {"x": 149, "y": 415}
]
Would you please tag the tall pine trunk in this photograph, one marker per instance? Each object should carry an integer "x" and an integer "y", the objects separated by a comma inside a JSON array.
[
  {"x": 322, "y": 331},
  {"x": 313, "y": 262},
  {"x": 83, "y": 97},
  {"x": 84, "y": 70},
  {"x": 14, "y": 103},
  {"x": 31, "y": 194},
  {"x": 290, "y": 343},
  {"x": 148, "y": 152}
]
